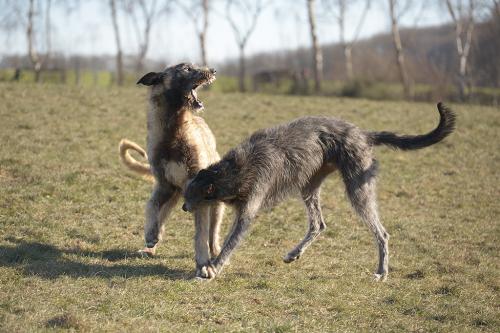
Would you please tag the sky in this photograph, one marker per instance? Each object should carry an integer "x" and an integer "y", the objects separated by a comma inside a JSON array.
[{"x": 282, "y": 25}]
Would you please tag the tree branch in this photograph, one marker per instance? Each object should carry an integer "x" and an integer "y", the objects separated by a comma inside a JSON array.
[{"x": 361, "y": 21}]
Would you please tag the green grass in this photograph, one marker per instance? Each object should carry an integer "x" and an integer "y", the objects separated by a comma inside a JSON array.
[{"x": 71, "y": 220}]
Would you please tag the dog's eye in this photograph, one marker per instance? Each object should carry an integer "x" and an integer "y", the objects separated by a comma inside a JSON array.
[{"x": 187, "y": 69}]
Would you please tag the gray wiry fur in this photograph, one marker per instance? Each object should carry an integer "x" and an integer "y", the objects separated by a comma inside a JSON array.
[{"x": 295, "y": 158}]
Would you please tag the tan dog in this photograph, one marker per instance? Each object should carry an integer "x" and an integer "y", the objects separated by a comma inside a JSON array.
[{"x": 179, "y": 144}]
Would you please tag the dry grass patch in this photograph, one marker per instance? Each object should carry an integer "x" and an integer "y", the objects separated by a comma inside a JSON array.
[{"x": 71, "y": 220}]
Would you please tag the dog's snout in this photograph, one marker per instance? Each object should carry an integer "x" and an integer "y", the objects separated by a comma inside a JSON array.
[{"x": 184, "y": 207}]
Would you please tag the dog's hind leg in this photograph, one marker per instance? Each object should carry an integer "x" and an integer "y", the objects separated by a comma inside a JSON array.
[
  {"x": 159, "y": 206},
  {"x": 216, "y": 215},
  {"x": 361, "y": 192},
  {"x": 311, "y": 197},
  {"x": 316, "y": 224}
]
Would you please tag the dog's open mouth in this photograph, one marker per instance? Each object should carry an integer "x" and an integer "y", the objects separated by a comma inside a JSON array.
[{"x": 196, "y": 103}]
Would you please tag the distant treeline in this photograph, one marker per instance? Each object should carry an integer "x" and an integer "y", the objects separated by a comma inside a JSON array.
[
  {"x": 430, "y": 54},
  {"x": 431, "y": 57}
]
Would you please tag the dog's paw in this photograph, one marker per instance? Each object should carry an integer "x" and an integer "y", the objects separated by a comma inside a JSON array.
[
  {"x": 291, "y": 257},
  {"x": 214, "y": 253},
  {"x": 206, "y": 272},
  {"x": 147, "y": 252},
  {"x": 380, "y": 277}
]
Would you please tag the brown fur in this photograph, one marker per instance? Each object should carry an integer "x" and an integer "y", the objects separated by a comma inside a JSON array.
[{"x": 179, "y": 144}]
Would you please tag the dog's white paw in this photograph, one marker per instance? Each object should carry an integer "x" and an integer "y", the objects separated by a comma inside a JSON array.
[
  {"x": 147, "y": 252},
  {"x": 380, "y": 277},
  {"x": 205, "y": 272}
]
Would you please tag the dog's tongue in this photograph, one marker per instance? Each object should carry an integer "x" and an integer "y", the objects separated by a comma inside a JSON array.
[{"x": 197, "y": 104}]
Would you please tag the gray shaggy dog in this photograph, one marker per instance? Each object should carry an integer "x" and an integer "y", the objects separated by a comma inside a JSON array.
[{"x": 295, "y": 158}]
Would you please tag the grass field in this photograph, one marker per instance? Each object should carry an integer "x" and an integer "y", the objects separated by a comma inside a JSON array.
[{"x": 71, "y": 220}]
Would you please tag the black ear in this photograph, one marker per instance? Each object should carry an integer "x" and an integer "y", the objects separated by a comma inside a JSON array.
[{"x": 150, "y": 79}]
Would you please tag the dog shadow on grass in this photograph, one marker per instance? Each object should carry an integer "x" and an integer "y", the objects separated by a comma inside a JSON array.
[{"x": 50, "y": 262}]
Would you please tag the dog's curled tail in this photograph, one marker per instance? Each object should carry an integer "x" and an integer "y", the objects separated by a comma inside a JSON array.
[
  {"x": 142, "y": 168},
  {"x": 410, "y": 142}
]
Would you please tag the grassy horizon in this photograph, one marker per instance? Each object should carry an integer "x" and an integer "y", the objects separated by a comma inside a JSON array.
[
  {"x": 71, "y": 219},
  {"x": 359, "y": 87}
]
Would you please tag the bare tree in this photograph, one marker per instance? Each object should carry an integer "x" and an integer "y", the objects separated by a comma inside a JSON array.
[
  {"x": 316, "y": 50},
  {"x": 463, "y": 19},
  {"x": 147, "y": 16},
  {"x": 496, "y": 7},
  {"x": 36, "y": 59},
  {"x": 250, "y": 11},
  {"x": 340, "y": 15},
  {"x": 34, "y": 18},
  {"x": 11, "y": 16},
  {"x": 198, "y": 12},
  {"x": 119, "y": 54},
  {"x": 395, "y": 12}
]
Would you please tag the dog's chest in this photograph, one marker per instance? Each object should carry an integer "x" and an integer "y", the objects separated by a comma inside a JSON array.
[{"x": 175, "y": 173}]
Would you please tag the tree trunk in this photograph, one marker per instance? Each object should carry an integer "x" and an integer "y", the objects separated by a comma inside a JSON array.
[
  {"x": 345, "y": 46},
  {"x": 398, "y": 47},
  {"x": 77, "y": 72},
  {"x": 317, "y": 56},
  {"x": 348, "y": 62},
  {"x": 464, "y": 57},
  {"x": 463, "y": 46},
  {"x": 32, "y": 53},
  {"x": 48, "y": 35},
  {"x": 201, "y": 37},
  {"x": 462, "y": 79},
  {"x": 119, "y": 57},
  {"x": 62, "y": 75},
  {"x": 17, "y": 74},
  {"x": 144, "y": 47},
  {"x": 139, "y": 66},
  {"x": 203, "y": 32},
  {"x": 242, "y": 69}
]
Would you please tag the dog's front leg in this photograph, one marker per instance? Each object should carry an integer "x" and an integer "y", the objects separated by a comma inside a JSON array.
[
  {"x": 240, "y": 225},
  {"x": 201, "y": 242},
  {"x": 216, "y": 215}
]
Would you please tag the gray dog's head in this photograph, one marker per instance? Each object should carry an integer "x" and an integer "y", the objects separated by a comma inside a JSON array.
[
  {"x": 179, "y": 83},
  {"x": 200, "y": 190}
]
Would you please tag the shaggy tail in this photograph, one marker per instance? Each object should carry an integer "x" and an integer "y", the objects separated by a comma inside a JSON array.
[
  {"x": 142, "y": 168},
  {"x": 410, "y": 142}
]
